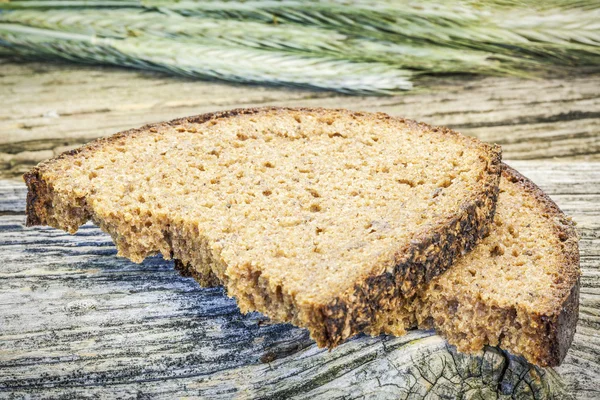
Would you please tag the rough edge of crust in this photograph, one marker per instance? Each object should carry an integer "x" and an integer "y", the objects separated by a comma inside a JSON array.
[
  {"x": 558, "y": 328},
  {"x": 426, "y": 257},
  {"x": 39, "y": 199}
]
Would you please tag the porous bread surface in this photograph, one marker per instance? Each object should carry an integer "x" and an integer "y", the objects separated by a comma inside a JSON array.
[
  {"x": 293, "y": 209},
  {"x": 518, "y": 288}
]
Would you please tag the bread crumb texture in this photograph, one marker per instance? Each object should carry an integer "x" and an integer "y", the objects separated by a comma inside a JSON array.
[{"x": 291, "y": 209}]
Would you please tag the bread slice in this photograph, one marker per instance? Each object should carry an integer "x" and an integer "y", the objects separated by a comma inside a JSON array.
[
  {"x": 312, "y": 216},
  {"x": 518, "y": 289}
]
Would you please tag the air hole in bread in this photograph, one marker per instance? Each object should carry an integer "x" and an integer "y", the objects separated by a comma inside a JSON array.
[
  {"x": 406, "y": 182},
  {"x": 315, "y": 208}
]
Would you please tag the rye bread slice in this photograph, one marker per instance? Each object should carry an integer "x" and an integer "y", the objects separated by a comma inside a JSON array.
[
  {"x": 312, "y": 216},
  {"x": 517, "y": 289}
]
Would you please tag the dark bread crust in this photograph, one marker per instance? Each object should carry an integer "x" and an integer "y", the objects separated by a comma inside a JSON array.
[
  {"x": 428, "y": 255},
  {"x": 557, "y": 323},
  {"x": 39, "y": 198}
]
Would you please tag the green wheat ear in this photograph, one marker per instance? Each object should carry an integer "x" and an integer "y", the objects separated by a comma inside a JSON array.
[
  {"x": 245, "y": 65},
  {"x": 308, "y": 41},
  {"x": 352, "y": 46}
]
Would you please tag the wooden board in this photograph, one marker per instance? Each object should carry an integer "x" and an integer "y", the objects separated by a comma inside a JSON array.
[
  {"x": 49, "y": 108},
  {"x": 75, "y": 321}
]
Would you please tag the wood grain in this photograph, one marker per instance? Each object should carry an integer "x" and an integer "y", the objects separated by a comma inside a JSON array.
[
  {"x": 52, "y": 107},
  {"x": 77, "y": 321}
]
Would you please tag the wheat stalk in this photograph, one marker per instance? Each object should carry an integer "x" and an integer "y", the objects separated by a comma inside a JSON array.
[
  {"x": 548, "y": 28},
  {"x": 46, "y": 4},
  {"x": 504, "y": 27},
  {"x": 205, "y": 61},
  {"x": 370, "y": 45},
  {"x": 312, "y": 41}
]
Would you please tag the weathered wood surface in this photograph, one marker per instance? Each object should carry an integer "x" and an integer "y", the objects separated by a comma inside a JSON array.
[
  {"x": 75, "y": 321},
  {"x": 49, "y": 108}
]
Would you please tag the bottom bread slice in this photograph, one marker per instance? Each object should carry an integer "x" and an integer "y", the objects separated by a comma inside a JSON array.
[{"x": 518, "y": 289}]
